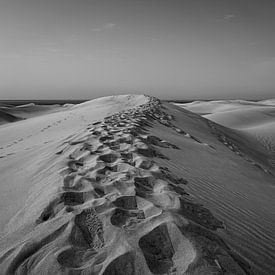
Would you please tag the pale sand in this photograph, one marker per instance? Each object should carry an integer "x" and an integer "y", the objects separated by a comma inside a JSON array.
[
  {"x": 252, "y": 121},
  {"x": 101, "y": 188},
  {"x": 9, "y": 113}
]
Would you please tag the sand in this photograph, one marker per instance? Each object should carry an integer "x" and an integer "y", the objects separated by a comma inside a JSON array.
[
  {"x": 252, "y": 121},
  {"x": 10, "y": 113},
  {"x": 115, "y": 186},
  {"x": 255, "y": 118}
]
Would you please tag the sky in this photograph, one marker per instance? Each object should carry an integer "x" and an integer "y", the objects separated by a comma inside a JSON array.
[{"x": 172, "y": 49}]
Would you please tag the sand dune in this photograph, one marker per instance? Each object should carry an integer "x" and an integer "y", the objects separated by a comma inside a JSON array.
[
  {"x": 10, "y": 113},
  {"x": 268, "y": 102},
  {"x": 115, "y": 186},
  {"x": 215, "y": 106},
  {"x": 6, "y": 117},
  {"x": 254, "y": 121}
]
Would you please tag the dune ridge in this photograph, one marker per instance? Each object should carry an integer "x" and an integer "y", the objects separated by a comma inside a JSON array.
[{"x": 116, "y": 209}]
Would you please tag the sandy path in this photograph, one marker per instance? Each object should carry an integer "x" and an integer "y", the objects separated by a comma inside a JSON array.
[{"x": 103, "y": 204}]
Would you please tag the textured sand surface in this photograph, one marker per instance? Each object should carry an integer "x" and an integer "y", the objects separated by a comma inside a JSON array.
[
  {"x": 115, "y": 186},
  {"x": 252, "y": 120},
  {"x": 10, "y": 113}
]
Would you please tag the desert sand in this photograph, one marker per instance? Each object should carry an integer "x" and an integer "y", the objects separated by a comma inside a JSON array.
[
  {"x": 10, "y": 113},
  {"x": 252, "y": 120},
  {"x": 130, "y": 185}
]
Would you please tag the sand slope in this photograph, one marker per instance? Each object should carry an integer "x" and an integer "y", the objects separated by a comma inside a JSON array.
[
  {"x": 114, "y": 186},
  {"x": 253, "y": 121},
  {"x": 9, "y": 113}
]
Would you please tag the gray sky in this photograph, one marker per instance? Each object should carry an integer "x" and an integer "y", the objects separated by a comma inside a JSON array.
[{"x": 68, "y": 49}]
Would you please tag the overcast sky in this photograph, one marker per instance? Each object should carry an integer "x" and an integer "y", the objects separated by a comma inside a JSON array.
[{"x": 74, "y": 49}]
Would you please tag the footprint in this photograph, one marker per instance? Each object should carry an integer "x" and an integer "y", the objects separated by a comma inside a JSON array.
[
  {"x": 126, "y": 218},
  {"x": 107, "y": 170},
  {"x": 144, "y": 163},
  {"x": 75, "y": 257},
  {"x": 106, "y": 138},
  {"x": 72, "y": 198},
  {"x": 123, "y": 264},
  {"x": 126, "y": 202},
  {"x": 108, "y": 158},
  {"x": 74, "y": 165},
  {"x": 200, "y": 215},
  {"x": 158, "y": 250},
  {"x": 91, "y": 227},
  {"x": 151, "y": 153},
  {"x": 113, "y": 145},
  {"x": 144, "y": 186}
]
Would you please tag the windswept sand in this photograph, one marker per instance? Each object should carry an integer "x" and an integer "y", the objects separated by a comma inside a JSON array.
[
  {"x": 115, "y": 185},
  {"x": 252, "y": 121},
  {"x": 9, "y": 113}
]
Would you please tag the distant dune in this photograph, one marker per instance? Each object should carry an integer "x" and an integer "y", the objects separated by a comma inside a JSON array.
[
  {"x": 132, "y": 185},
  {"x": 252, "y": 120},
  {"x": 10, "y": 113},
  {"x": 6, "y": 117}
]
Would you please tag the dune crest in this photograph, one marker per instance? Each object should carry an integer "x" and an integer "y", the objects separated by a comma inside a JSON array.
[{"x": 115, "y": 208}]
